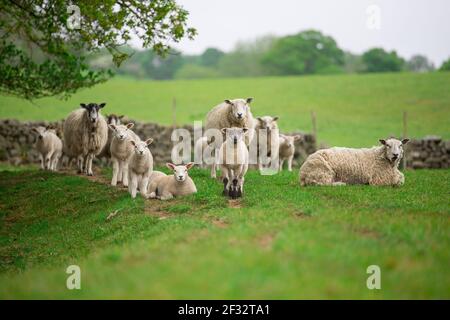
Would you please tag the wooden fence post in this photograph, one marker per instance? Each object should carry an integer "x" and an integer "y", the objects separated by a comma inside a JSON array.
[{"x": 314, "y": 128}]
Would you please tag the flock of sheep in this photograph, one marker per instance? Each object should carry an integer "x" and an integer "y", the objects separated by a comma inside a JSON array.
[{"x": 88, "y": 134}]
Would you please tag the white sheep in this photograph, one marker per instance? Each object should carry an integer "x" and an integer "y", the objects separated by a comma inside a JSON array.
[
  {"x": 233, "y": 159},
  {"x": 121, "y": 150},
  {"x": 140, "y": 167},
  {"x": 340, "y": 166},
  {"x": 114, "y": 120},
  {"x": 267, "y": 130},
  {"x": 287, "y": 149},
  {"x": 85, "y": 135},
  {"x": 49, "y": 146},
  {"x": 230, "y": 113},
  {"x": 166, "y": 187}
]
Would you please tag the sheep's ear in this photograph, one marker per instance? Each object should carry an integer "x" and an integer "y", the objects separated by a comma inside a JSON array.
[
  {"x": 383, "y": 142},
  {"x": 228, "y": 101},
  {"x": 121, "y": 117},
  {"x": 259, "y": 119},
  {"x": 297, "y": 137},
  {"x": 133, "y": 142},
  {"x": 130, "y": 125},
  {"x": 244, "y": 130},
  {"x": 149, "y": 141},
  {"x": 275, "y": 118},
  {"x": 83, "y": 105},
  {"x": 101, "y": 105},
  {"x": 249, "y": 100},
  {"x": 171, "y": 166},
  {"x": 405, "y": 141},
  {"x": 34, "y": 130},
  {"x": 113, "y": 127},
  {"x": 224, "y": 130},
  {"x": 189, "y": 165}
]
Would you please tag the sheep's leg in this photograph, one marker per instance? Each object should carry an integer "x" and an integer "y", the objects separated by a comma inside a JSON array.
[
  {"x": 125, "y": 174},
  {"x": 48, "y": 159},
  {"x": 41, "y": 158},
  {"x": 290, "y": 163},
  {"x": 115, "y": 164},
  {"x": 280, "y": 168},
  {"x": 132, "y": 187},
  {"x": 240, "y": 180},
  {"x": 89, "y": 160},
  {"x": 226, "y": 181},
  {"x": 166, "y": 196},
  {"x": 143, "y": 185},
  {"x": 120, "y": 171},
  {"x": 80, "y": 161}
]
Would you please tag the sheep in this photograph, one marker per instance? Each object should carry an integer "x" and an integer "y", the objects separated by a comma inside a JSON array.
[
  {"x": 114, "y": 120},
  {"x": 49, "y": 146},
  {"x": 340, "y": 166},
  {"x": 230, "y": 113},
  {"x": 121, "y": 150},
  {"x": 287, "y": 149},
  {"x": 267, "y": 126},
  {"x": 140, "y": 167},
  {"x": 233, "y": 159},
  {"x": 85, "y": 135},
  {"x": 166, "y": 187}
]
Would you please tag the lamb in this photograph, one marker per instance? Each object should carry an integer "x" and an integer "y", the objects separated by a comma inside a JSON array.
[
  {"x": 85, "y": 135},
  {"x": 287, "y": 149},
  {"x": 114, "y": 120},
  {"x": 49, "y": 146},
  {"x": 233, "y": 159},
  {"x": 267, "y": 126},
  {"x": 166, "y": 187},
  {"x": 140, "y": 167},
  {"x": 121, "y": 150},
  {"x": 340, "y": 166},
  {"x": 230, "y": 113}
]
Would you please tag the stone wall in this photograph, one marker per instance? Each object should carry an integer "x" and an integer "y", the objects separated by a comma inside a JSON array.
[
  {"x": 430, "y": 152},
  {"x": 17, "y": 141}
]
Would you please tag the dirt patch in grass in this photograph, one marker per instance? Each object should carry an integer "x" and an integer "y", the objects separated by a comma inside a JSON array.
[
  {"x": 265, "y": 241},
  {"x": 234, "y": 203},
  {"x": 365, "y": 232},
  {"x": 155, "y": 209},
  {"x": 220, "y": 223}
]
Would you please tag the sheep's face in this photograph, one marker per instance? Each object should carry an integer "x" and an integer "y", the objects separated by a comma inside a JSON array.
[
  {"x": 180, "y": 172},
  {"x": 234, "y": 134},
  {"x": 141, "y": 147},
  {"x": 92, "y": 110},
  {"x": 41, "y": 132},
  {"x": 393, "y": 148},
  {"x": 289, "y": 141},
  {"x": 114, "y": 119},
  {"x": 121, "y": 132},
  {"x": 239, "y": 108},
  {"x": 268, "y": 122}
]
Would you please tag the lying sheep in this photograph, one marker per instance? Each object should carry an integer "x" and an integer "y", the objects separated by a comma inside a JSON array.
[
  {"x": 121, "y": 150},
  {"x": 230, "y": 113},
  {"x": 140, "y": 167},
  {"x": 49, "y": 146},
  {"x": 266, "y": 126},
  {"x": 287, "y": 149},
  {"x": 85, "y": 135},
  {"x": 166, "y": 187},
  {"x": 340, "y": 166},
  {"x": 233, "y": 160}
]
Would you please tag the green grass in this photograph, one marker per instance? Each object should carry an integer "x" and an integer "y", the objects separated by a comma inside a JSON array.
[
  {"x": 282, "y": 242},
  {"x": 352, "y": 110}
]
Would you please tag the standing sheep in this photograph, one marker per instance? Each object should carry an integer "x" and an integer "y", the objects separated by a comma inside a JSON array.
[
  {"x": 340, "y": 166},
  {"x": 85, "y": 135},
  {"x": 230, "y": 113},
  {"x": 287, "y": 149},
  {"x": 166, "y": 187},
  {"x": 49, "y": 146},
  {"x": 114, "y": 120},
  {"x": 233, "y": 160},
  {"x": 121, "y": 150},
  {"x": 140, "y": 167},
  {"x": 267, "y": 126}
]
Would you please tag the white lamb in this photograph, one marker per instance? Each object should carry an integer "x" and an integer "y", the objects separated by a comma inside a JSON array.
[
  {"x": 121, "y": 151},
  {"x": 233, "y": 159},
  {"x": 49, "y": 146},
  {"x": 340, "y": 166},
  {"x": 230, "y": 113},
  {"x": 166, "y": 187},
  {"x": 140, "y": 167},
  {"x": 287, "y": 149},
  {"x": 266, "y": 129},
  {"x": 85, "y": 135}
]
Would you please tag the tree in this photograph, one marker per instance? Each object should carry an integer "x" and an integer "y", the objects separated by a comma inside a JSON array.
[
  {"x": 211, "y": 57},
  {"x": 304, "y": 53},
  {"x": 419, "y": 63},
  {"x": 44, "y": 44},
  {"x": 379, "y": 60},
  {"x": 445, "y": 65}
]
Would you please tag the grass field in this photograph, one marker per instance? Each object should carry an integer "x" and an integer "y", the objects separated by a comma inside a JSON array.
[
  {"x": 279, "y": 242},
  {"x": 352, "y": 110}
]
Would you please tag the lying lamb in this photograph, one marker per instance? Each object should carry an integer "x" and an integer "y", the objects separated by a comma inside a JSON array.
[
  {"x": 49, "y": 146},
  {"x": 166, "y": 187},
  {"x": 230, "y": 113},
  {"x": 287, "y": 149},
  {"x": 340, "y": 166},
  {"x": 121, "y": 151},
  {"x": 233, "y": 160},
  {"x": 140, "y": 167},
  {"x": 85, "y": 135}
]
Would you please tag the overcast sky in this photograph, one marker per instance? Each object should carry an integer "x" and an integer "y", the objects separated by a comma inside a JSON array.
[{"x": 407, "y": 26}]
